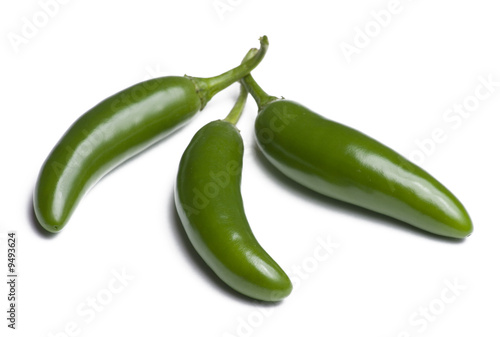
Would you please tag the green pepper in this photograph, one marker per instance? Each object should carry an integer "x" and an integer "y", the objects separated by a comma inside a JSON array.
[
  {"x": 209, "y": 203},
  {"x": 118, "y": 128},
  {"x": 340, "y": 162}
]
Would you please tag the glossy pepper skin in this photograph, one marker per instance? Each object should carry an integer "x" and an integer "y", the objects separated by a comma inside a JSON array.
[
  {"x": 209, "y": 203},
  {"x": 118, "y": 128},
  {"x": 340, "y": 162}
]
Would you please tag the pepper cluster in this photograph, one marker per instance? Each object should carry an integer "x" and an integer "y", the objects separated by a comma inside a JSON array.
[{"x": 327, "y": 157}]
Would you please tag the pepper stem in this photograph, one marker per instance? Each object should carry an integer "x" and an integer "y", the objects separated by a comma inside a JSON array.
[
  {"x": 260, "y": 96},
  {"x": 208, "y": 87},
  {"x": 235, "y": 113}
]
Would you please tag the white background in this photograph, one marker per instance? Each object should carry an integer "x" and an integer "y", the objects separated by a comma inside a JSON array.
[{"x": 381, "y": 274}]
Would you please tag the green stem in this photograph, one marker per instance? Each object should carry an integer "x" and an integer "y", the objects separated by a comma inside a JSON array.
[
  {"x": 235, "y": 113},
  {"x": 208, "y": 87},
  {"x": 260, "y": 96}
]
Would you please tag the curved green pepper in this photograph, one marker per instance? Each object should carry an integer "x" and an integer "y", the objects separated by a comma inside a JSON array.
[
  {"x": 118, "y": 128},
  {"x": 209, "y": 204},
  {"x": 340, "y": 162}
]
